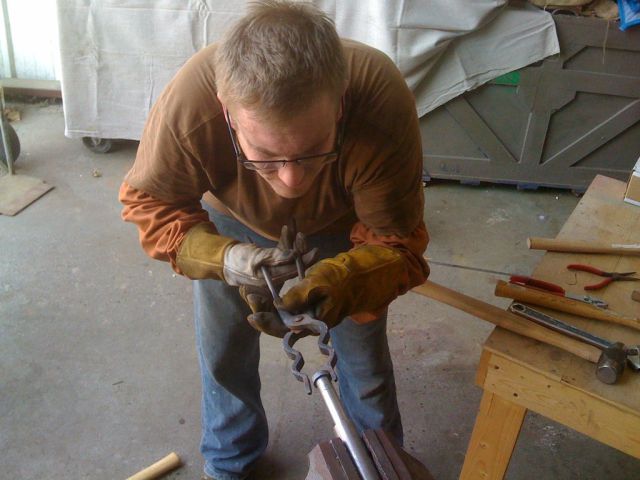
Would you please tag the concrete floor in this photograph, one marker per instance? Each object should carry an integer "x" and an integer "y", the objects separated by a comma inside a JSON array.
[{"x": 98, "y": 371}]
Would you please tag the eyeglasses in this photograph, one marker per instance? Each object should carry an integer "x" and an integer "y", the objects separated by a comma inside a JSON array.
[{"x": 316, "y": 160}]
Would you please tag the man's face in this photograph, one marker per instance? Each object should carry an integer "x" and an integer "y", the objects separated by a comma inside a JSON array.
[{"x": 308, "y": 133}]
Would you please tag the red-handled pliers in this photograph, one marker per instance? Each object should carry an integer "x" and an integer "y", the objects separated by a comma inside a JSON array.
[
  {"x": 611, "y": 276},
  {"x": 534, "y": 282},
  {"x": 555, "y": 289}
]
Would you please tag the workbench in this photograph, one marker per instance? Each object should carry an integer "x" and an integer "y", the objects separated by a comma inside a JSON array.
[{"x": 518, "y": 374}]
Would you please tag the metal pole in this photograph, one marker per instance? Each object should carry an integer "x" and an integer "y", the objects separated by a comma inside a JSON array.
[
  {"x": 8, "y": 56},
  {"x": 345, "y": 428}
]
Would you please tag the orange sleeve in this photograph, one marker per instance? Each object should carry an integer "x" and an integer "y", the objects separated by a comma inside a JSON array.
[
  {"x": 161, "y": 225},
  {"x": 412, "y": 247}
]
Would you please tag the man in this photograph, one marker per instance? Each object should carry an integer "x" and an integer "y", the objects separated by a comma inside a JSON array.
[{"x": 282, "y": 120}]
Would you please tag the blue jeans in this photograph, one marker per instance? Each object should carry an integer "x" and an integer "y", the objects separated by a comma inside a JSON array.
[{"x": 234, "y": 425}]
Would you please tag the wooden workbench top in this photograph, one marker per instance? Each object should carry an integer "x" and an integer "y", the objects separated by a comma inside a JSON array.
[{"x": 600, "y": 216}]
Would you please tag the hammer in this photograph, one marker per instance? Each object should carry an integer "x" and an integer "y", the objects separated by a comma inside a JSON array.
[
  {"x": 516, "y": 323},
  {"x": 614, "y": 354}
]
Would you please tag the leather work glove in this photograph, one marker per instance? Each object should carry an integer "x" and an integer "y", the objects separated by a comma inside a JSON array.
[
  {"x": 365, "y": 279},
  {"x": 205, "y": 254},
  {"x": 264, "y": 317}
]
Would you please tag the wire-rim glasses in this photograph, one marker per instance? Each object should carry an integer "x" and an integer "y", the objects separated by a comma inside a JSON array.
[{"x": 317, "y": 159}]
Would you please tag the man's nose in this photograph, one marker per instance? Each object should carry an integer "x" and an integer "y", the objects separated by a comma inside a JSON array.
[{"x": 291, "y": 174}]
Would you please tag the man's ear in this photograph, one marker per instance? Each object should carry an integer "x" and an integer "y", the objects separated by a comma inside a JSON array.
[{"x": 225, "y": 111}]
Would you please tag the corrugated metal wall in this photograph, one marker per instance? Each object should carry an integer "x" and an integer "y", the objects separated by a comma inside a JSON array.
[{"x": 29, "y": 40}]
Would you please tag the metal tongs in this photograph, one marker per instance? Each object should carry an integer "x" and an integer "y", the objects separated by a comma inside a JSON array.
[
  {"x": 300, "y": 326},
  {"x": 305, "y": 324}
]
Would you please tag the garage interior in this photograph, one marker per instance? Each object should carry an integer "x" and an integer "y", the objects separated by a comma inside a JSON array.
[{"x": 98, "y": 368}]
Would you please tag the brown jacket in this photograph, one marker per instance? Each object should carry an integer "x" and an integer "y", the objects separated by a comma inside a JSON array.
[{"x": 374, "y": 189}]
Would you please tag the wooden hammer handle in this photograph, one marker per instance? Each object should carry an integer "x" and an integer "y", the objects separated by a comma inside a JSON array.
[
  {"x": 555, "y": 245},
  {"x": 563, "y": 304},
  {"x": 159, "y": 468},
  {"x": 507, "y": 320}
]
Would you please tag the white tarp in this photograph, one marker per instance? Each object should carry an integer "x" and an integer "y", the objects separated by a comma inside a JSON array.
[
  {"x": 446, "y": 47},
  {"x": 117, "y": 55}
]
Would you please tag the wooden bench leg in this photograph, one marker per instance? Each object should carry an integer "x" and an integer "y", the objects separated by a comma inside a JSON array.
[{"x": 493, "y": 439}]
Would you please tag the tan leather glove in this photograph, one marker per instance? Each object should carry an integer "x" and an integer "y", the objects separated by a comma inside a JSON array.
[
  {"x": 205, "y": 254},
  {"x": 365, "y": 279},
  {"x": 264, "y": 317}
]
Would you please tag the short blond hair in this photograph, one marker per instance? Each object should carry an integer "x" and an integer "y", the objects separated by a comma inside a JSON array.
[{"x": 279, "y": 57}]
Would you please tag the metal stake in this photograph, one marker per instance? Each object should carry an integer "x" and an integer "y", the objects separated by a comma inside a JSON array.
[{"x": 344, "y": 428}]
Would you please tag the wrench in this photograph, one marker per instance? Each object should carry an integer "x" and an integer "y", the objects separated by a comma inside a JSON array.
[{"x": 614, "y": 354}]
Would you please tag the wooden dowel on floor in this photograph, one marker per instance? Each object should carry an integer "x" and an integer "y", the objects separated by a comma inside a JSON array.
[{"x": 159, "y": 468}]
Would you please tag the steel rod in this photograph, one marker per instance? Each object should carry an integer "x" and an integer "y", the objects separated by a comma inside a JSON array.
[
  {"x": 8, "y": 54},
  {"x": 464, "y": 267},
  {"x": 345, "y": 429},
  {"x": 272, "y": 287}
]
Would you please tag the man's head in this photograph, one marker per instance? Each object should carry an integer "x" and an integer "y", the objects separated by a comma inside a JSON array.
[
  {"x": 279, "y": 57},
  {"x": 280, "y": 75}
]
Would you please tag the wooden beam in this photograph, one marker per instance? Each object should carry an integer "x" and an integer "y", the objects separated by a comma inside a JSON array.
[
  {"x": 474, "y": 126},
  {"x": 597, "y": 136},
  {"x": 493, "y": 439}
]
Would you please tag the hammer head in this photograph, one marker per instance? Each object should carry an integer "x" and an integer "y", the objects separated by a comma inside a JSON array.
[{"x": 611, "y": 363}]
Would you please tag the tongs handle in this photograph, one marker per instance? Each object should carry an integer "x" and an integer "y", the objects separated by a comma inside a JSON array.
[{"x": 302, "y": 325}]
